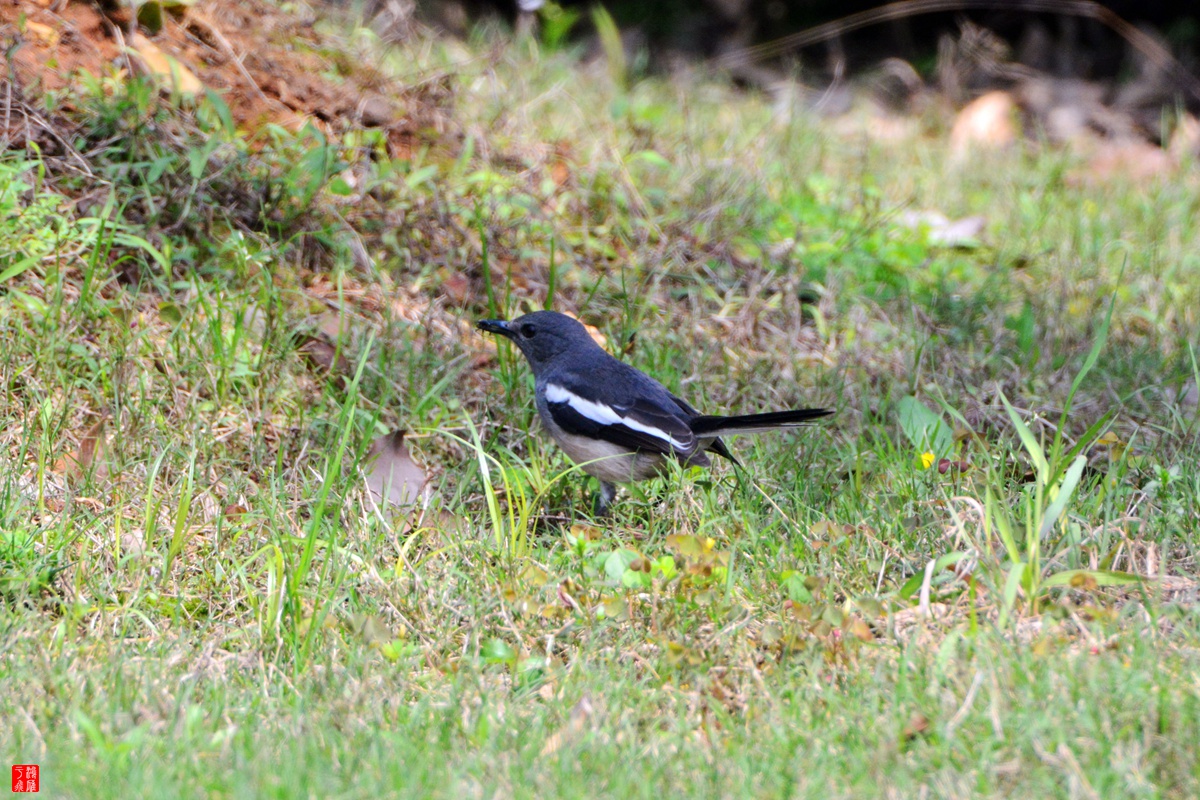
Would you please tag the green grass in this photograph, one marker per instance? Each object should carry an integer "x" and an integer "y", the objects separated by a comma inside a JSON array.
[{"x": 215, "y": 608}]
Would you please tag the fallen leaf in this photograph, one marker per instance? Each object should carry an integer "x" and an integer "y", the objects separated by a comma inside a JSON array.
[
  {"x": 458, "y": 288},
  {"x": 860, "y": 630},
  {"x": 133, "y": 544},
  {"x": 586, "y": 533},
  {"x": 332, "y": 324},
  {"x": 44, "y": 33},
  {"x": 323, "y": 357},
  {"x": 989, "y": 122},
  {"x": 917, "y": 725},
  {"x": 1083, "y": 582},
  {"x": 88, "y": 456},
  {"x": 165, "y": 69},
  {"x": 372, "y": 630},
  {"x": 941, "y": 230},
  {"x": 560, "y": 164},
  {"x": 1133, "y": 160},
  {"x": 392, "y": 474},
  {"x": 828, "y": 532},
  {"x": 234, "y": 512}
]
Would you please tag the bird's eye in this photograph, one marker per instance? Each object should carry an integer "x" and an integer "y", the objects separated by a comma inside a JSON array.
[{"x": 528, "y": 331}]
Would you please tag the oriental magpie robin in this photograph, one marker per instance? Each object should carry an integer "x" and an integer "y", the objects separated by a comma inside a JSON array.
[{"x": 617, "y": 422}]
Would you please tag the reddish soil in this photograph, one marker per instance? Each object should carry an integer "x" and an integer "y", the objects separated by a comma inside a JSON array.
[{"x": 270, "y": 67}]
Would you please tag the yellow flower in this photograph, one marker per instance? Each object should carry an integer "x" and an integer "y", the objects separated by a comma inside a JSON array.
[{"x": 927, "y": 460}]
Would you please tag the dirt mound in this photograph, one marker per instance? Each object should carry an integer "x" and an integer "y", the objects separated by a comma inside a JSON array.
[{"x": 268, "y": 66}]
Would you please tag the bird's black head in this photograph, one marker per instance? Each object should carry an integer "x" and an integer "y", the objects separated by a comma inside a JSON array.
[{"x": 542, "y": 336}]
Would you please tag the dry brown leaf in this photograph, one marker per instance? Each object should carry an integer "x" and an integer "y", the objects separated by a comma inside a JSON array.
[
  {"x": 457, "y": 288},
  {"x": 333, "y": 324},
  {"x": 596, "y": 335},
  {"x": 1134, "y": 160},
  {"x": 234, "y": 512},
  {"x": 860, "y": 630},
  {"x": 165, "y": 69},
  {"x": 321, "y": 356},
  {"x": 88, "y": 456},
  {"x": 560, "y": 164},
  {"x": 393, "y": 476},
  {"x": 989, "y": 122},
  {"x": 917, "y": 725},
  {"x": 45, "y": 34}
]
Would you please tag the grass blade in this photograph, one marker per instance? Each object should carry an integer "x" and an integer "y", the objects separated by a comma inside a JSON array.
[
  {"x": 1032, "y": 446},
  {"x": 1065, "y": 490}
]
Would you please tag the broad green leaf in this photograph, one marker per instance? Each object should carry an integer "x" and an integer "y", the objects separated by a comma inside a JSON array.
[
  {"x": 666, "y": 567},
  {"x": 497, "y": 651},
  {"x": 1102, "y": 577},
  {"x": 617, "y": 563},
  {"x": 913, "y": 584},
  {"x": 793, "y": 586},
  {"x": 150, "y": 17},
  {"x": 923, "y": 428},
  {"x": 420, "y": 176}
]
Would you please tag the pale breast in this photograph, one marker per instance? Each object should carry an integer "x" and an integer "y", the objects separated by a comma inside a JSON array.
[{"x": 607, "y": 461}]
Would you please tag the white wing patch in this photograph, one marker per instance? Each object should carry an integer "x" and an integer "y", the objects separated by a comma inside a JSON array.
[{"x": 605, "y": 415}]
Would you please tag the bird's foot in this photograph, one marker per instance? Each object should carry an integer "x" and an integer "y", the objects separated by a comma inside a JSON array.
[{"x": 604, "y": 498}]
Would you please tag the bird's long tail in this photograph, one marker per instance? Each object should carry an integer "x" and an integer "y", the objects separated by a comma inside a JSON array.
[{"x": 756, "y": 423}]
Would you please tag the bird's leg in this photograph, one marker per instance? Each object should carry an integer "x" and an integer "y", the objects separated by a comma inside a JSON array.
[{"x": 604, "y": 498}]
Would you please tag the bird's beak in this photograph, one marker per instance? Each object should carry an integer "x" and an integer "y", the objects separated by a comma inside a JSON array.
[{"x": 497, "y": 326}]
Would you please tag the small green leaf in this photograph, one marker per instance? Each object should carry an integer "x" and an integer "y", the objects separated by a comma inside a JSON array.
[
  {"x": 923, "y": 428},
  {"x": 617, "y": 563},
  {"x": 497, "y": 651},
  {"x": 793, "y": 586},
  {"x": 666, "y": 567},
  {"x": 339, "y": 187},
  {"x": 632, "y": 579},
  {"x": 1102, "y": 577},
  {"x": 169, "y": 312},
  {"x": 150, "y": 17}
]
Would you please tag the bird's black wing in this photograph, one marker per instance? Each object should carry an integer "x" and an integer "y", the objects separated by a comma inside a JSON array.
[{"x": 620, "y": 409}]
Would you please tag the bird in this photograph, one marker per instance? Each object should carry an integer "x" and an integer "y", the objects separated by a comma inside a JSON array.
[{"x": 615, "y": 421}]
